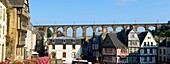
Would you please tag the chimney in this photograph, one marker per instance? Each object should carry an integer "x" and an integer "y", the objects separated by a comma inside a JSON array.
[{"x": 131, "y": 26}]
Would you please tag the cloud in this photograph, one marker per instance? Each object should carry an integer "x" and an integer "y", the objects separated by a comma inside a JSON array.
[{"x": 125, "y": 2}]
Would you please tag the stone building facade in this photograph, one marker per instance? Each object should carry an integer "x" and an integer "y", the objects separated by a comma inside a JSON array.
[
  {"x": 17, "y": 21},
  {"x": 3, "y": 31}
]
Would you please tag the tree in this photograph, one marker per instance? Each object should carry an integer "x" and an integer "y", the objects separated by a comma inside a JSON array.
[
  {"x": 167, "y": 33},
  {"x": 49, "y": 33}
]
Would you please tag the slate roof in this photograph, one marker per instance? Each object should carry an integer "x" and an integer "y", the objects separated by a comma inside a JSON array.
[
  {"x": 114, "y": 41},
  {"x": 142, "y": 36},
  {"x": 122, "y": 37},
  {"x": 68, "y": 40},
  {"x": 165, "y": 42},
  {"x": 128, "y": 31},
  {"x": 17, "y": 3}
]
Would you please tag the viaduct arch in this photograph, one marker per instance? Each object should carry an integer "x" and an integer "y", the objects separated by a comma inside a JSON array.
[{"x": 95, "y": 26}]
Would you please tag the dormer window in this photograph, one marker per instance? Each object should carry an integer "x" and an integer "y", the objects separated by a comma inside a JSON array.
[
  {"x": 149, "y": 37},
  {"x": 132, "y": 36},
  {"x": 64, "y": 40},
  {"x": 107, "y": 42},
  {"x": 73, "y": 41},
  {"x": 94, "y": 39}
]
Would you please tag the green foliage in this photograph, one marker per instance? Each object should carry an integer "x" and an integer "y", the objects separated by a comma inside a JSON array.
[
  {"x": 49, "y": 33},
  {"x": 165, "y": 33},
  {"x": 8, "y": 10},
  {"x": 41, "y": 29}
]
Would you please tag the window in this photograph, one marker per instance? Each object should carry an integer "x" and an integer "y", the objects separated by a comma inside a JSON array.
[
  {"x": 3, "y": 30},
  {"x": 53, "y": 54},
  {"x": 150, "y": 58},
  {"x": 133, "y": 43},
  {"x": 145, "y": 59},
  {"x": 160, "y": 58},
  {"x": 96, "y": 46},
  {"x": 164, "y": 51},
  {"x": 64, "y": 54},
  {"x": 73, "y": 41},
  {"x": 108, "y": 50},
  {"x": 0, "y": 12},
  {"x": 73, "y": 54},
  {"x": 123, "y": 50},
  {"x": 64, "y": 41},
  {"x": 148, "y": 43},
  {"x": 134, "y": 58},
  {"x": 53, "y": 46},
  {"x": 135, "y": 50},
  {"x": 64, "y": 46},
  {"x": 4, "y": 14},
  {"x": 73, "y": 46},
  {"x": 97, "y": 54},
  {"x": 145, "y": 51},
  {"x": 53, "y": 42},
  {"x": 151, "y": 50},
  {"x": 132, "y": 36},
  {"x": 149, "y": 37},
  {"x": 151, "y": 43},
  {"x": 0, "y": 30},
  {"x": 93, "y": 46},
  {"x": 94, "y": 53},
  {"x": 130, "y": 50},
  {"x": 25, "y": 8},
  {"x": 107, "y": 42},
  {"x": 144, "y": 43},
  {"x": 160, "y": 51},
  {"x": 122, "y": 59},
  {"x": 164, "y": 58},
  {"x": 130, "y": 43}
]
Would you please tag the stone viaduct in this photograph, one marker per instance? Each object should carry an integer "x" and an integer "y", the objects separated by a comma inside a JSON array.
[{"x": 94, "y": 26}]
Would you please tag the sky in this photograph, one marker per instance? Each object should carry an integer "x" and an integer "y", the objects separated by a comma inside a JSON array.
[{"x": 99, "y": 11}]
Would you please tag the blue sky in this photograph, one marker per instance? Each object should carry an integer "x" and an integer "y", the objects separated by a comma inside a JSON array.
[{"x": 98, "y": 11}]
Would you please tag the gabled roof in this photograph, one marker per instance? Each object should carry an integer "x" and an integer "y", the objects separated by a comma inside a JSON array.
[
  {"x": 142, "y": 36},
  {"x": 97, "y": 38},
  {"x": 122, "y": 37},
  {"x": 128, "y": 31},
  {"x": 113, "y": 40},
  {"x": 165, "y": 42}
]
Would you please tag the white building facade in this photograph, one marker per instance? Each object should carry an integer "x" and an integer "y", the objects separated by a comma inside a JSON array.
[
  {"x": 64, "y": 48},
  {"x": 134, "y": 46},
  {"x": 148, "y": 51},
  {"x": 30, "y": 41},
  {"x": 3, "y": 31}
]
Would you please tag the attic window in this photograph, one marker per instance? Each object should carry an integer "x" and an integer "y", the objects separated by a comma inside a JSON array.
[
  {"x": 73, "y": 41},
  {"x": 107, "y": 42},
  {"x": 64, "y": 40},
  {"x": 132, "y": 36},
  {"x": 149, "y": 37}
]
